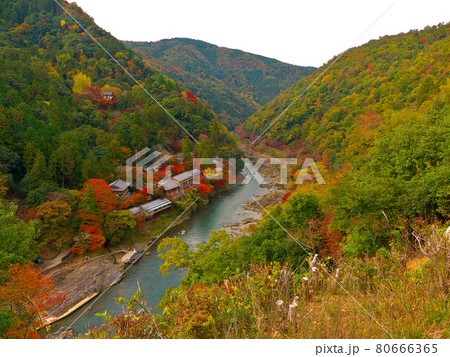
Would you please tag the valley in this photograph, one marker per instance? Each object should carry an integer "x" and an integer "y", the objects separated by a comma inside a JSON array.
[{"x": 353, "y": 245}]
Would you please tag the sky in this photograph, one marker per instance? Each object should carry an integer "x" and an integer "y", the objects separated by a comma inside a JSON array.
[{"x": 307, "y": 33}]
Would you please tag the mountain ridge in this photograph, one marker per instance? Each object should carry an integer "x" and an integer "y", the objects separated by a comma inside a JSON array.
[
  {"x": 367, "y": 83},
  {"x": 234, "y": 82}
]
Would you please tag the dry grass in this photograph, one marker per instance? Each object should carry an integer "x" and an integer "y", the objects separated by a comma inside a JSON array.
[
  {"x": 396, "y": 304},
  {"x": 384, "y": 296}
]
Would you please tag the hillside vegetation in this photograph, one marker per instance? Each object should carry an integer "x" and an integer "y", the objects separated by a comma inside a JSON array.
[
  {"x": 345, "y": 109},
  {"x": 54, "y": 124},
  {"x": 62, "y": 140},
  {"x": 367, "y": 254},
  {"x": 235, "y": 83}
]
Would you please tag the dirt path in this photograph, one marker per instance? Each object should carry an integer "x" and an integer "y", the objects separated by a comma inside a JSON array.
[{"x": 48, "y": 264}]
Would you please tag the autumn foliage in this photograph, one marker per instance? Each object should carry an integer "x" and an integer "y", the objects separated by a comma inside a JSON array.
[
  {"x": 102, "y": 217},
  {"x": 286, "y": 196},
  {"x": 204, "y": 189},
  {"x": 218, "y": 183},
  {"x": 97, "y": 200},
  {"x": 327, "y": 239},
  {"x": 96, "y": 240},
  {"x": 29, "y": 296},
  {"x": 104, "y": 197},
  {"x": 135, "y": 200}
]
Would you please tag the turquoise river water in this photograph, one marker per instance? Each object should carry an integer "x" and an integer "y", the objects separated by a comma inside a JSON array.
[{"x": 224, "y": 209}]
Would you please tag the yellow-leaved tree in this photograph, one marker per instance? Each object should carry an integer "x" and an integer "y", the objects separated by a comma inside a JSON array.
[{"x": 80, "y": 81}]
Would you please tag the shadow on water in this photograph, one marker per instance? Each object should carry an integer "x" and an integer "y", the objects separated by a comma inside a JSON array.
[{"x": 224, "y": 209}]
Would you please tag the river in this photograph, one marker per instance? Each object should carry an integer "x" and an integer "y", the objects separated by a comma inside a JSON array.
[{"x": 224, "y": 209}]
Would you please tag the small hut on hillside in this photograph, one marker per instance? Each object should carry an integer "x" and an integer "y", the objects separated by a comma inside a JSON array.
[{"x": 108, "y": 95}]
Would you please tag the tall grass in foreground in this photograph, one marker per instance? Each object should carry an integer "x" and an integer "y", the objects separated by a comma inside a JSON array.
[{"x": 388, "y": 295}]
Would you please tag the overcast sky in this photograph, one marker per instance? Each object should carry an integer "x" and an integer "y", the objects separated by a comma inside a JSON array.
[{"x": 298, "y": 32}]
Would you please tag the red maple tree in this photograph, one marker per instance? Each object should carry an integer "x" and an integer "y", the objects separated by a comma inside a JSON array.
[
  {"x": 204, "y": 189},
  {"x": 104, "y": 197},
  {"x": 29, "y": 296}
]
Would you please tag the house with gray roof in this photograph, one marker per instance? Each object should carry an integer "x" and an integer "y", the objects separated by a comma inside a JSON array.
[
  {"x": 170, "y": 186},
  {"x": 121, "y": 188},
  {"x": 152, "y": 207},
  {"x": 186, "y": 179},
  {"x": 108, "y": 95}
]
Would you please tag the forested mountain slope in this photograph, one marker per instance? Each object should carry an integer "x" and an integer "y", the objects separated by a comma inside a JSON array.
[
  {"x": 378, "y": 120},
  {"x": 235, "y": 83},
  {"x": 341, "y": 113},
  {"x": 378, "y": 125},
  {"x": 55, "y": 126},
  {"x": 70, "y": 115}
]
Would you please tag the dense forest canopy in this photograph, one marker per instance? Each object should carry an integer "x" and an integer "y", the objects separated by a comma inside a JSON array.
[
  {"x": 235, "y": 83},
  {"x": 55, "y": 126},
  {"x": 343, "y": 110}
]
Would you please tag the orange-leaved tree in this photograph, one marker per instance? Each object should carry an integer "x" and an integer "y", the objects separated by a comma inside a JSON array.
[
  {"x": 135, "y": 200},
  {"x": 104, "y": 198},
  {"x": 26, "y": 298},
  {"x": 204, "y": 189}
]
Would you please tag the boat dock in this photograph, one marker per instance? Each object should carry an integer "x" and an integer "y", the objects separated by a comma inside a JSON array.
[{"x": 130, "y": 257}]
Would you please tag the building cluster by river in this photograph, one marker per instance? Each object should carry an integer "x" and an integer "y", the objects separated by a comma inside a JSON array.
[
  {"x": 172, "y": 187},
  {"x": 226, "y": 209}
]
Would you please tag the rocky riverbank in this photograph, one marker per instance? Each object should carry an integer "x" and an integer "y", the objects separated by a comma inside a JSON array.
[
  {"x": 269, "y": 199},
  {"x": 257, "y": 205},
  {"x": 83, "y": 279}
]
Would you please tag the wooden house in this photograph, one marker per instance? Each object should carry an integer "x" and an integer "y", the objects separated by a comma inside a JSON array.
[
  {"x": 121, "y": 188},
  {"x": 186, "y": 179}
]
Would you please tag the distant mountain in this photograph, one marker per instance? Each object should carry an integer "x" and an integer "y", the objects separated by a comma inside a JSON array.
[{"x": 235, "y": 83}]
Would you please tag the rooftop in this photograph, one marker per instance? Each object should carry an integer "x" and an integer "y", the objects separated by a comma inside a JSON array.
[
  {"x": 135, "y": 256},
  {"x": 152, "y": 205},
  {"x": 168, "y": 184},
  {"x": 119, "y": 185},
  {"x": 186, "y": 175}
]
